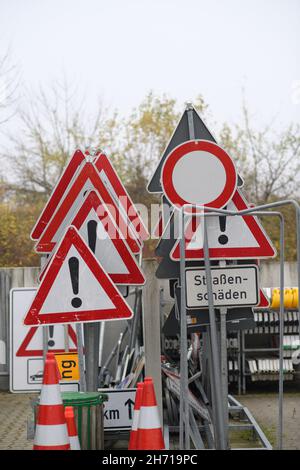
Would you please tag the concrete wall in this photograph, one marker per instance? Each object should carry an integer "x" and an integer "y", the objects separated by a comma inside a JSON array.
[{"x": 269, "y": 274}]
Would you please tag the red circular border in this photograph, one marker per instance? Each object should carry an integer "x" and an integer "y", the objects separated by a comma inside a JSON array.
[{"x": 192, "y": 145}]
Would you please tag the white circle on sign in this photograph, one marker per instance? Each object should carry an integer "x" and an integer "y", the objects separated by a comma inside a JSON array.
[
  {"x": 199, "y": 177},
  {"x": 198, "y": 172}
]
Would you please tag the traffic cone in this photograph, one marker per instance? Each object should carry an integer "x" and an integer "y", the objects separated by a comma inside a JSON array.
[
  {"x": 136, "y": 414},
  {"x": 71, "y": 425},
  {"x": 150, "y": 436},
  {"x": 51, "y": 429}
]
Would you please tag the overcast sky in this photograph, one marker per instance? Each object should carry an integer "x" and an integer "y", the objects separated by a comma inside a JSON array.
[{"x": 121, "y": 49}]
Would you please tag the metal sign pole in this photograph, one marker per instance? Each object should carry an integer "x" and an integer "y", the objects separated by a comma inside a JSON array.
[
  {"x": 281, "y": 331},
  {"x": 91, "y": 346},
  {"x": 224, "y": 365},
  {"x": 43, "y": 261},
  {"x": 82, "y": 381},
  {"x": 184, "y": 387},
  {"x": 224, "y": 362},
  {"x": 216, "y": 370}
]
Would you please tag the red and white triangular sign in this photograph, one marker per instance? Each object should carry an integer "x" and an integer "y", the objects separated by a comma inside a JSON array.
[
  {"x": 32, "y": 344},
  {"x": 57, "y": 194},
  {"x": 87, "y": 179},
  {"x": 75, "y": 288},
  {"x": 264, "y": 301},
  {"x": 233, "y": 237},
  {"x": 115, "y": 186},
  {"x": 96, "y": 226}
]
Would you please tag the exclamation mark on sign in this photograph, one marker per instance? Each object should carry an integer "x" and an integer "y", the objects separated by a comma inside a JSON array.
[
  {"x": 223, "y": 239},
  {"x": 51, "y": 342},
  {"x": 92, "y": 234},
  {"x": 74, "y": 273}
]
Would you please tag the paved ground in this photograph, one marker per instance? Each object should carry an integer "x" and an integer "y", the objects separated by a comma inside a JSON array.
[
  {"x": 15, "y": 410},
  {"x": 264, "y": 407}
]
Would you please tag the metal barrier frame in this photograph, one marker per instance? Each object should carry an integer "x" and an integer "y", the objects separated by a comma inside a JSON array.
[{"x": 219, "y": 404}]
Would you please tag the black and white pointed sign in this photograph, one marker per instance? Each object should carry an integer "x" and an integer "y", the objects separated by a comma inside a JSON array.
[
  {"x": 75, "y": 288},
  {"x": 190, "y": 126},
  {"x": 96, "y": 226},
  {"x": 229, "y": 237}
]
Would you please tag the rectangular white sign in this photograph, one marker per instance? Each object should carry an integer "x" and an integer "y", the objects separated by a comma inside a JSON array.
[
  {"x": 26, "y": 346},
  {"x": 118, "y": 410},
  {"x": 232, "y": 286}
]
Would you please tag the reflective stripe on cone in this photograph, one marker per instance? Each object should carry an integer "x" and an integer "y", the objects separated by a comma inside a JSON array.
[
  {"x": 51, "y": 429},
  {"x": 150, "y": 436}
]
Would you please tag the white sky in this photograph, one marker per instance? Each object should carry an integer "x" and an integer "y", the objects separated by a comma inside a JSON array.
[{"x": 121, "y": 49}]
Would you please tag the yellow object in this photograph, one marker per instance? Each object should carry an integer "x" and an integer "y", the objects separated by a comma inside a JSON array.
[
  {"x": 288, "y": 298},
  {"x": 295, "y": 298},
  {"x": 275, "y": 299},
  {"x": 68, "y": 366}
]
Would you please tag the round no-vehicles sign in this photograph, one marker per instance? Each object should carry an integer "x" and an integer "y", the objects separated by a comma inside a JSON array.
[{"x": 199, "y": 172}]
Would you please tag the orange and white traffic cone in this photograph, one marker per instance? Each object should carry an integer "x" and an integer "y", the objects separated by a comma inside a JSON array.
[
  {"x": 150, "y": 436},
  {"x": 51, "y": 428},
  {"x": 136, "y": 415},
  {"x": 71, "y": 425}
]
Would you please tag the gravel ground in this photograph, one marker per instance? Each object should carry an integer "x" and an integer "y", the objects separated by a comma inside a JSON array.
[{"x": 15, "y": 410}]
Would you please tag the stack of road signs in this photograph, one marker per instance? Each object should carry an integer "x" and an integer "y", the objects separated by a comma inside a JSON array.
[
  {"x": 195, "y": 175},
  {"x": 88, "y": 234},
  {"x": 195, "y": 171},
  {"x": 91, "y": 230}
]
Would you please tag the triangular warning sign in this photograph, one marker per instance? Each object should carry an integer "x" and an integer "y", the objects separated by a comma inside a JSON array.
[
  {"x": 263, "y": 300},
  {"x": 31, "y": 347},
  {"x": 230, "y": 237},
  {"x": 184, "y": 131},
  {"x": 75, "y": 288},
  {"x": 87, "y": 179},
  {"x": 113, "y": 183},
  {"x": 57, "y": 194},
  {"x": 95, "y": 224}
]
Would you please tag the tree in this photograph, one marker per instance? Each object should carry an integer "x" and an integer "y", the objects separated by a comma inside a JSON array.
[
  {"x": 55, "y": 123},
  {"x": 51, "y": 128},
  {"x": 268, "y": 161}
]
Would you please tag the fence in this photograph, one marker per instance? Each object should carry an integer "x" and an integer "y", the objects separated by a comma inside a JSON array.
[{"x": 27, "y": 277}]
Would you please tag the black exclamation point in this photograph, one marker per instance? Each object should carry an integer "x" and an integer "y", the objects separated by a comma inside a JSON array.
[
  {"x": 92, "y": 234},
  {"x": 51, "y": 342},
  {"x": 223, "y": 239},
  {"x": 74, "y": 273}
]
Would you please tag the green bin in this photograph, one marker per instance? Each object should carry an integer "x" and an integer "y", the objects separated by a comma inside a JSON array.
[{"x": 88, "y": 409}]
